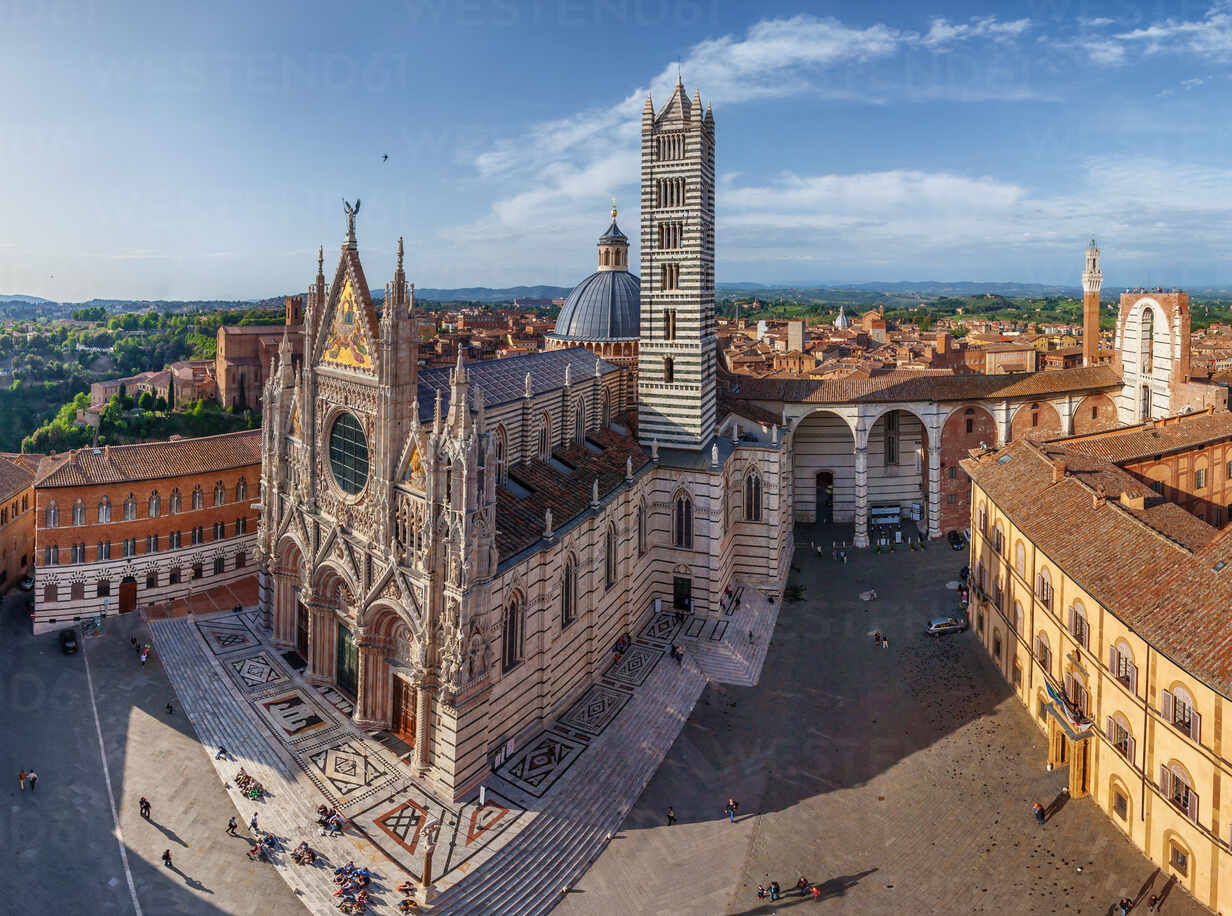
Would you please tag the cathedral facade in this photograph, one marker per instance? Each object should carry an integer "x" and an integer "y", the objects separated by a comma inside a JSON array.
[{"x": 459, "y": 550}]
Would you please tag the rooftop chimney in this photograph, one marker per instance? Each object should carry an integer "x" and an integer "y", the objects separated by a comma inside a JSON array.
[{"x": 1058, "y": 470}]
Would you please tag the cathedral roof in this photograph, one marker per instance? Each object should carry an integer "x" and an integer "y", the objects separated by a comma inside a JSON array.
[
  {"x": 604, "y": 306},
  {"x": 504, "y": 380}
]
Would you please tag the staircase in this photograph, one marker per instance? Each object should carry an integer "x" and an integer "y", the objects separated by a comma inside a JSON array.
[
  {"x": 585, "y": 806},
  {"x": 721, "y": 647}
]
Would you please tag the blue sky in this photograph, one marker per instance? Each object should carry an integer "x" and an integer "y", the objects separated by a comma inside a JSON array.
[{"x": 185, "y": 151}]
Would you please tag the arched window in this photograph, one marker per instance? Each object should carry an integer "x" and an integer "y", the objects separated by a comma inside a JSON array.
[
  {"x": 982, "y": 519},
  {"x": 641, "y": 529},
  {"x": 79, "y": 513},
  {"x": 969, "y": 415},
  {"x": 1035, "y": 411},
  {"x": 175, "y": 500},
  {"x": 1076, "y": 692},
  {"x": 241, "y": 490},
  {"x": 104, "y": 510},
  {"x": 51, "y": 516},
  {"x": 512, "y": 641},
  {"x": 1177, "y": 707},
  {"x": 669, "y": 370},
  {"x": 682, "y": 522},
  {"x": 155, "y": 505},
  {"x": 605, "y": 408},
  {"x": 198, "y": 497},
  {"x": 752, "y": 497},
  {"x": 1043, "y": 652},
  {"x": 609, "y": 553},
  {"x": 579, "y": 424},
  {"x": 1177, "y": 786},
  {"x": 500, "y": 455},
  {"x": 220, "y": 494},
  {"x": 1078, "y": 625},
  {"x": 1020, "y": 559},
  {"x": 1043, "y": 588},
  {"x": 998, "y": 537},
  {"x": 1121, "y": 664},
  {"x": 568, "y": 593},
  {"x": 545, "y": 437},
  {"x": 1018, "y": 618},
  {"x": 130, "y": 507},
  {"x": 1117, "y": 730}
]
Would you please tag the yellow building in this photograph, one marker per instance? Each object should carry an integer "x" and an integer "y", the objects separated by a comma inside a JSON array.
[{"x": 1108, "y": 609}]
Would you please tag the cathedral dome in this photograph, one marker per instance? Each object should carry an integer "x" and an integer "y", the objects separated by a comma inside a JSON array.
[
  {"x": 604, "y": 306},
  {"x": 607, "y": 304}
]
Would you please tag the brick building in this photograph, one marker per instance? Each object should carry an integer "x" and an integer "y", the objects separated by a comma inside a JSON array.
[
  {"x": 244, "y": 353},
  {"x": 16, "y": 517},
  {"x": 128, "y": 525}
]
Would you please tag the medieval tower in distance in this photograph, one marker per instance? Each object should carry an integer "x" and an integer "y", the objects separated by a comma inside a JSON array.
[
  {"x": 676, "y": 350},
  {"x": 1092, "y": 280}
]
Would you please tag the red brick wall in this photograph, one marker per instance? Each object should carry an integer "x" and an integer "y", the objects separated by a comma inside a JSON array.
[
  {"x": 956, "y": 442},
  {"x": 1177, "y": 475},
  {"x": 67, "y": 534},
  {"x": 1095, "y": 413},
  {"x": 1038, "y": 420}
]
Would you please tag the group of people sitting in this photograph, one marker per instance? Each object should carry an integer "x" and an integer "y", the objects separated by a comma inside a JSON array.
[
  {"x": 352, "y": 884},
  {"x": 249, "y": 786},
  {"x": 408, "y": 903},
  {"x": 621, "y": 647},
  {"x": 303, "y": 854},
  {"x": 262, "y": 846},
  {"x": 329, "y": 819}
]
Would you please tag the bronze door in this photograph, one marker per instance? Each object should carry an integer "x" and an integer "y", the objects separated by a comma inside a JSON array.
[
  {"x": 404, "y": 711},
  {"x": 128, "y": 595}
]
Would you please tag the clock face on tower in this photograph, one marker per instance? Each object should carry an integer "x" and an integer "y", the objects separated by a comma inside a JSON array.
[{"x": 348, "y": 454}]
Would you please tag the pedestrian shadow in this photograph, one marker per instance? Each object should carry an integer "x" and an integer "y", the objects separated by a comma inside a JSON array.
[
  {"x": 837, "y": 887},
  {"x": 834, "y": 887},
  {"x": 194, "y": 883},
  {"x": 1163, "y": 894},
  {"x": 1146, "y": 887},
  {"x": 167, "y": 832},
  {"x": 1055, "y": 806}
]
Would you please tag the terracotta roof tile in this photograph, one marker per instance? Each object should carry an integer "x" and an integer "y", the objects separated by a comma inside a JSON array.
[
  {"x": 1155, "y": 438},
  {"x": 151, "y": 460}
]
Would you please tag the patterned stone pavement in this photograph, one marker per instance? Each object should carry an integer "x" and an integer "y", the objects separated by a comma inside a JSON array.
[{"x": 298, "y": 741}]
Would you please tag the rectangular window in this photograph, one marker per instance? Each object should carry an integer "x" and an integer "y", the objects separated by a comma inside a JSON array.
[
  {"x": 151, "y": 581},
  {"x": 1120, "y": 804},
  {"x": 953, "y": 473},
  {"x": 951, "y": 499},
  {"x": 104, "y": 588},
  {"x": 1200, "y": 479},
  {"x": 1228, "y": 471},
  {"x": 173, "y": 577}
]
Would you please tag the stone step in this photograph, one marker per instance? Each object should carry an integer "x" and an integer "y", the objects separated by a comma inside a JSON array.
[{"x": 587, "y": 805}]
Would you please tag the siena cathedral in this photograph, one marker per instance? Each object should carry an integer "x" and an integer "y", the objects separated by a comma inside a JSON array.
[{"x": 458, "y": 550}]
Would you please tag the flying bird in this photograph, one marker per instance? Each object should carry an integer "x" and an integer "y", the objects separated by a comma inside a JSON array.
[{"x": 385, "y": 158}]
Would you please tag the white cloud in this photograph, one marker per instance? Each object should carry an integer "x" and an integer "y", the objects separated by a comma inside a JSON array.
[
  {"x": 1209, "y": 36},
  {"x": 1095, "y": 22},
  {"x": 942, "y": 32},
  {"x": 1192, "y": 83}
]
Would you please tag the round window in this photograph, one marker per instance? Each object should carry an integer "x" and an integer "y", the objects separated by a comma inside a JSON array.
[{"x": 348, "y": 454}]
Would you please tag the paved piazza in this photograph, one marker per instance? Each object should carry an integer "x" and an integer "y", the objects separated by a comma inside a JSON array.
[
  {"x": 861, "y": 769},
  {"x": 855, "y": 766}
]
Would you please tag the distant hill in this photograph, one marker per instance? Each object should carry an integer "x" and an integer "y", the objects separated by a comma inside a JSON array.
[
  {"x": 32, "y": 300},
  {"x": 924, "y": 288}
]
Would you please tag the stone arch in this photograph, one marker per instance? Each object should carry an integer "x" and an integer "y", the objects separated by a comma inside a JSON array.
[
  {"x": 1094, "y": 413},
  {"x": 1036, "y": 420},
  {"x": 823, "y": 444},
  {"x": 290, "y": 576},
  {"x": 327, "y": 580}
]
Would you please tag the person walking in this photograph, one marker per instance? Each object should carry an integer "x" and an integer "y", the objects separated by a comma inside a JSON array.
[
  {"x": 144, "y": 806},
  {"x": 231, "y": 825},
  {"x": 21, "y": 780},
  {"x": 1126, "y": 905},
  {"x": 802, "y": 885},
  {"x": 1038, "y": 810},
  {"x": 252, "y": 824},
  {"x": 774, "y": 890},
  {"x": 1152, "y": 905},
  {"x": 732, "y": 807},
  {"x": 671, "y": 815},
  {"x": 167, "y": 858},
  {"x": 222, "y": 752},
  {"x": 33, "y": 777}
]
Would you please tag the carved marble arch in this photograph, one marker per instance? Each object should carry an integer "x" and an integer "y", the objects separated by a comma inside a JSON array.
[
  {"x": 332, "y": 585},
  {"x": 290, "y": 554}
]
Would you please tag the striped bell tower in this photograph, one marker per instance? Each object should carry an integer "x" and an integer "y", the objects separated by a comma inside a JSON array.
[{"x": 676, "y": 347}]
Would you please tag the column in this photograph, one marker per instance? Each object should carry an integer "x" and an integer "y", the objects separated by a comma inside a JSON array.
[
  {"x": 267, "y": 585},
  {"x": 369, "y": 705},
  {"x": 1002, "y": 412},
  {"x": 934, "y": 483},
  {"x": 423, "y": 710},
  {"x": 321, "y": 636},
  {"x": 861, "y": 539}
]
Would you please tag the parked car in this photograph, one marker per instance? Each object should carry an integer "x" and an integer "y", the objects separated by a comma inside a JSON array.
[
  {"x": 68, "y": 641},
  {"x": 940, "y": 626},
  {"x": 957, "y": 541},
  {"x": 27, "y": 583}
]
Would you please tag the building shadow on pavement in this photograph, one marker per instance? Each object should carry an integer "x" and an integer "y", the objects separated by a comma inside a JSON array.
[{"x": 48, "y": 720}]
